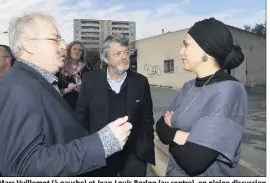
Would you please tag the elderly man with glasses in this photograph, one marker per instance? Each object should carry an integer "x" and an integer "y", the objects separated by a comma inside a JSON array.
[{"x": 39, "y": 135}]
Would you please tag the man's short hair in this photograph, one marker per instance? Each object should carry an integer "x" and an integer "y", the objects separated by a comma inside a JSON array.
[
  {"x": 23, "y": 28},
  {"x": 8, "y": 52},
  {"x": 119, "y": 38}
]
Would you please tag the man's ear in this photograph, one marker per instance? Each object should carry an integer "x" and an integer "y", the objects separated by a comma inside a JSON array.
[
  {"x": 28, "y": 46},
  {"x": 8, "y": 61},
  {"x": 104, "y": 59}
]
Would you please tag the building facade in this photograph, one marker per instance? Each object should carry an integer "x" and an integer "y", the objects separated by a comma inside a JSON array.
[
  {"x": 158, "y": 58},
  {"x": 92, "y": 32}
]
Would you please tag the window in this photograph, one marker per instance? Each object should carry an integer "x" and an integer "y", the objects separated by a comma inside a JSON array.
[
  {"x": 169, "y": 66},
  {"x": 90, "y": 22},
  {"x": 120, "y": 23}
]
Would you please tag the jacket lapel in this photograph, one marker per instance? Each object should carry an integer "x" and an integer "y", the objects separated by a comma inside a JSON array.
[
  {"x": 102, "y": 90},
  {"x": 57, "y": 96},
  {"x": 45, "y": 84},
  {"x": 131, "y": 88}
]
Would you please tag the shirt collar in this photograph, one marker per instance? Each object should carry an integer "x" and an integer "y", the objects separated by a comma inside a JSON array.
[
  {"x": 117, "y": 81},
  {"x": 48, "y": 76}
]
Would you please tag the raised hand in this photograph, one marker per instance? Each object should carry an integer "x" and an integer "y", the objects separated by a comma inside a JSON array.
[{"x": 121, "y": 130}]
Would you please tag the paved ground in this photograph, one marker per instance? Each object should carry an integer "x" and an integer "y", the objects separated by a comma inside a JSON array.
[{"x": 253, "y": 155}]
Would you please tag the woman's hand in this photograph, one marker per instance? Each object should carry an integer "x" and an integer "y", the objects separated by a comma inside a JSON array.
[
  {"x": 168, "y": 118},
  {"x": 77, "y": 87},
  {"x": 70, "y": 88},
  {"x": 180, "y": 137}
]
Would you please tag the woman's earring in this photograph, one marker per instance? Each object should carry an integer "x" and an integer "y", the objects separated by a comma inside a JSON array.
[{"x": 204, "y": 58}]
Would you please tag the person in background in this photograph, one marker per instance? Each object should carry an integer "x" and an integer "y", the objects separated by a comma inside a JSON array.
[
  {"x": 64, "y": 50},
  {"x": 6, "y": 59},
  {"x": 70, "y": 76},
  {"x": 205, "y": 122},
  {"x": 39, "y": 134},
  {"x": 113, "y": 92}
]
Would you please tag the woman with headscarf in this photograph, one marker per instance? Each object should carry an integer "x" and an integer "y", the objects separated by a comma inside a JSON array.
[
  {"x": 70, "y": 76},
  {"x": 205, "y": 122}
]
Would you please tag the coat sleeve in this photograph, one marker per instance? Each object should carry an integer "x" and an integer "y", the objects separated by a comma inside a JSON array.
[
  {"x": 24, "y": 151},
  {"x": 194, "y": 159},
  {"x": 223, "y": 118},
  {"x": 165, "y": 132}
]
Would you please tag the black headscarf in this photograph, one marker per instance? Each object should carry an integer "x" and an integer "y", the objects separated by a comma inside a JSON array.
[{"x": 216, "y": 40}]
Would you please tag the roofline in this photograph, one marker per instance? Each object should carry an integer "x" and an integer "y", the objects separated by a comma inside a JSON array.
[
  {"x": 103, "y": 20},
  {"x": 242, "y": 30},
  {"x": 163, "y": 34}
]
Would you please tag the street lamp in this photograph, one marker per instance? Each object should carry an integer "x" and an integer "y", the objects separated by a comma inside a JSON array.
[
  {"x": 3, "y": 39},
  {"x": 5, "y": 32}
]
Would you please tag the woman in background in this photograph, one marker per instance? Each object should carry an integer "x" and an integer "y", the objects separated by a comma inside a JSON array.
[
  {"x": 205, "y": 122},
  {"x": 70, "y": 76}
]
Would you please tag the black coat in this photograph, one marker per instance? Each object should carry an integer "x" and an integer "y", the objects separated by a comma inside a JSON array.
[
  {"x": 39, "y": 135},
  {"x": 92, "y": 109},
  {"x": 71, "y": 97}
]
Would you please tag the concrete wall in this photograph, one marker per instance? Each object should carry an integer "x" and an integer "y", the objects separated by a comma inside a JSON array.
[
  {"x": 154, "y": 50},
  {"x": 151, "y": 55},
  {"x": 254, "y": 48}
]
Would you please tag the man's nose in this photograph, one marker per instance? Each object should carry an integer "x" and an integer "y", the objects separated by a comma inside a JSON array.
[
  {"x": 182, "y": 51},
  {"x": 124, "y": 57},
  {"x": 62, "y": 45}
]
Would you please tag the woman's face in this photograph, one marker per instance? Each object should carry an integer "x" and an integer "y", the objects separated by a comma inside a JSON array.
[
  {"x": 191, "y": 54},
  {"x": 76, "y": 52}
]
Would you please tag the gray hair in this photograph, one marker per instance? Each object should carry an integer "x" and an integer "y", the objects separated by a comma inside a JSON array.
[
  {"x": 104, "y": 48},
  {"x": 20, "y": 28}
]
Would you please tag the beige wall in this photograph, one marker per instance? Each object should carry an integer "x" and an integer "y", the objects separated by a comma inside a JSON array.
[
  {"x": 151, "y": 55},
  {"x": 254, "y": 48},
  {"x": 154, "y": 50}
]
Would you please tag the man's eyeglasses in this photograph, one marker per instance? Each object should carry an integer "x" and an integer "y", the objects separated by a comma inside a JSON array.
[{"x": 56, "y": 40}]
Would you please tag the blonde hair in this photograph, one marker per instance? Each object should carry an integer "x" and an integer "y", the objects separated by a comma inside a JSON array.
[{"x": 67, "y": 60}]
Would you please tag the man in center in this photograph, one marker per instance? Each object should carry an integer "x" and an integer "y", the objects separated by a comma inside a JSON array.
[{"x": 113, "y": 92}]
